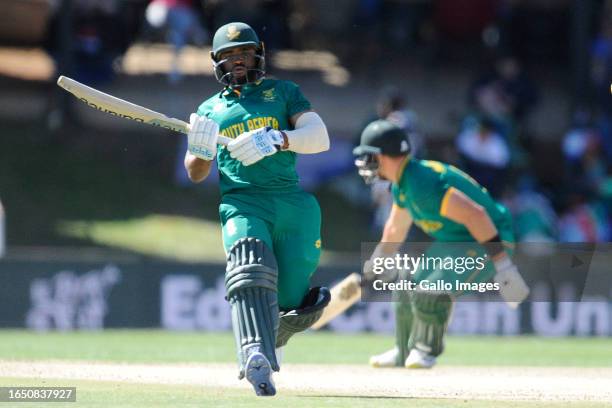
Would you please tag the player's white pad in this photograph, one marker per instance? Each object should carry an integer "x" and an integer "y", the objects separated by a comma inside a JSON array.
[
  {"x": 512, "y": 287},
  {"x": 251, "y": 147},
  {"x": 202, "y": 137}
]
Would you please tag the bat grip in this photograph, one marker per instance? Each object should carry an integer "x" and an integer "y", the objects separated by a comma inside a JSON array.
[{"x": 223, "y": 140}]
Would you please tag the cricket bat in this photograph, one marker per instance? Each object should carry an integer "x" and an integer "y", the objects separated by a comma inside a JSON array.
[
  {"x": 343, "y": 295},
  {"x": 118, "y": 107}
]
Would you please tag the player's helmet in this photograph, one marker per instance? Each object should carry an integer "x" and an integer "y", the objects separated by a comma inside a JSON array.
[
  {"x": 379, "y": 137},
  {"x": 234, "y": 35}
]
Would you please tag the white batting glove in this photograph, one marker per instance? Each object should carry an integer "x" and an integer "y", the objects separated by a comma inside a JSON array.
[
  {"x": 512, "y": 287},
  {"x": 251, "y": 147},
  {"x": 387, "y": 275},
  {"x": 202, "y": 137}
]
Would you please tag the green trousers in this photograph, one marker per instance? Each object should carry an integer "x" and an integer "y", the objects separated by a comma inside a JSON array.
[
  {"x": 290, "y": 224},
  {"x": 422, "y": 317}
]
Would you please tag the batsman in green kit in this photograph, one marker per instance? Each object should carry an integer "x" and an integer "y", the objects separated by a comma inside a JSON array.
[
  {"x": 463, "y": 220},
  {"x": 271, "y": 228}
]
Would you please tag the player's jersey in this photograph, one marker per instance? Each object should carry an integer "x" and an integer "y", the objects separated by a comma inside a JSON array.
[
  {"x": 268, "y": 102},
  {"x": 422, "y": 190}
]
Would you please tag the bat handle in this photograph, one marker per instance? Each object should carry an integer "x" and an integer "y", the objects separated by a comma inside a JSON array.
[{"x": 223, "y": 140}]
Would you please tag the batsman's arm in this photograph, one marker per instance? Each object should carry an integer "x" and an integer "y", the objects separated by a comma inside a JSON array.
[
  {"x": 197, "y": 169},
  {"x": 309, "y": 135},
  {"x": 458, "y": 207},
  {"x": 461, "y": 209},
  {"x": 395, "y": 231}
]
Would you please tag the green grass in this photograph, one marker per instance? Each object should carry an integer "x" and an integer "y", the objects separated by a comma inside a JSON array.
[
  {"x": 311, "y": 348},
  {"x": 176, "y": 237},
  {"x": 155, "y": 346},
  {"x": 113, "y": 394}
]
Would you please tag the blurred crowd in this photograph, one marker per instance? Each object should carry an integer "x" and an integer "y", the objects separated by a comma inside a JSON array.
[{"x": 429, "y": 29}]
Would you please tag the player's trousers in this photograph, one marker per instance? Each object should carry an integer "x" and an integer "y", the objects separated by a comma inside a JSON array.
[
  {"x": 423, "y": 316},
  {"x": 289, "y": 223}
]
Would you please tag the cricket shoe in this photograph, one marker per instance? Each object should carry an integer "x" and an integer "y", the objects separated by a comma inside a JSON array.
[
  {"x": 259, "y": 374},
  {"x": 386, "y": 359},
  {"x": 419, "y": 359}
]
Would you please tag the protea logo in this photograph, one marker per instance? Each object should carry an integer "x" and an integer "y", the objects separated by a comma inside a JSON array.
[{"x": 232, "y": 33}]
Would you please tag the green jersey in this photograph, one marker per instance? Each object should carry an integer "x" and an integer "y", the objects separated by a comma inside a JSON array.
[
  {"x": 268, "y": 102},
  {"x": 423, "y": 188}
]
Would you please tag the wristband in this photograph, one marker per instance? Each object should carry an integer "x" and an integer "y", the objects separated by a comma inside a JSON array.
[{"x": 494, "y": 246}]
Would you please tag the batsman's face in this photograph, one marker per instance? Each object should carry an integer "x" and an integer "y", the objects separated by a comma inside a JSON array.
[
  {"x": 383, "y": 167},
  {"x": 238, "y": 60}
]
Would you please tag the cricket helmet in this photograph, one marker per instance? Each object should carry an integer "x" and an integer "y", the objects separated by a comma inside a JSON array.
[
  {"x": 379, "y": 137},
  {"x": 234, "y": 35}
]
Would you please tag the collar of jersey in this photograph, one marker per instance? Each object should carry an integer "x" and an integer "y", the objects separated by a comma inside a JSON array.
[
  {"x": 402, "y": 169},
  {"x": 245, "y": 89}
]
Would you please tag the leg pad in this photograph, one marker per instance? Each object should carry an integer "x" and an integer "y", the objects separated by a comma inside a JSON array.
[
  {"x": 251, "y": 279},
  {"x": 431, "y": 316}
]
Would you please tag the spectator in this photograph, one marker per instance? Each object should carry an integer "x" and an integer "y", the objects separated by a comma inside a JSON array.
[
  {"x": 601, "y": 75},
  {"x": 490, "y": 103},
  {"x": 513, "y": 86},
  {"x": 98, "y": 34},
  {"x": 485, "y": 155},
  {"x": 583, "y": 153},
  {"x": 507, "y": 95},
  {"x": 584, "y": 220},
  {"x": 392, "y": 105},
  {"x": 182, "y": 24},
  {"x": 534, "y": 218}
]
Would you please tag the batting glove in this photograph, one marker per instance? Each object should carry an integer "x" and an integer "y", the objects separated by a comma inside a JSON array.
[
  {"x": 251, "y": 147},
  {"x": 512, "y": 287},
  {"x": 202, "y": 137},
  {"x": 374, "y": 270}
]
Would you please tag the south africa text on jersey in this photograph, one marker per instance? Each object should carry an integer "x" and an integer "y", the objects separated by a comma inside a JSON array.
[{"x": 237, "y": 129}]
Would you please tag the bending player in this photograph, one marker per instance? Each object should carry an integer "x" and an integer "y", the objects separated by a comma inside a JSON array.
[
  {"x": 450, "y": 206},
  {"x": 271, "y": 228}
]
